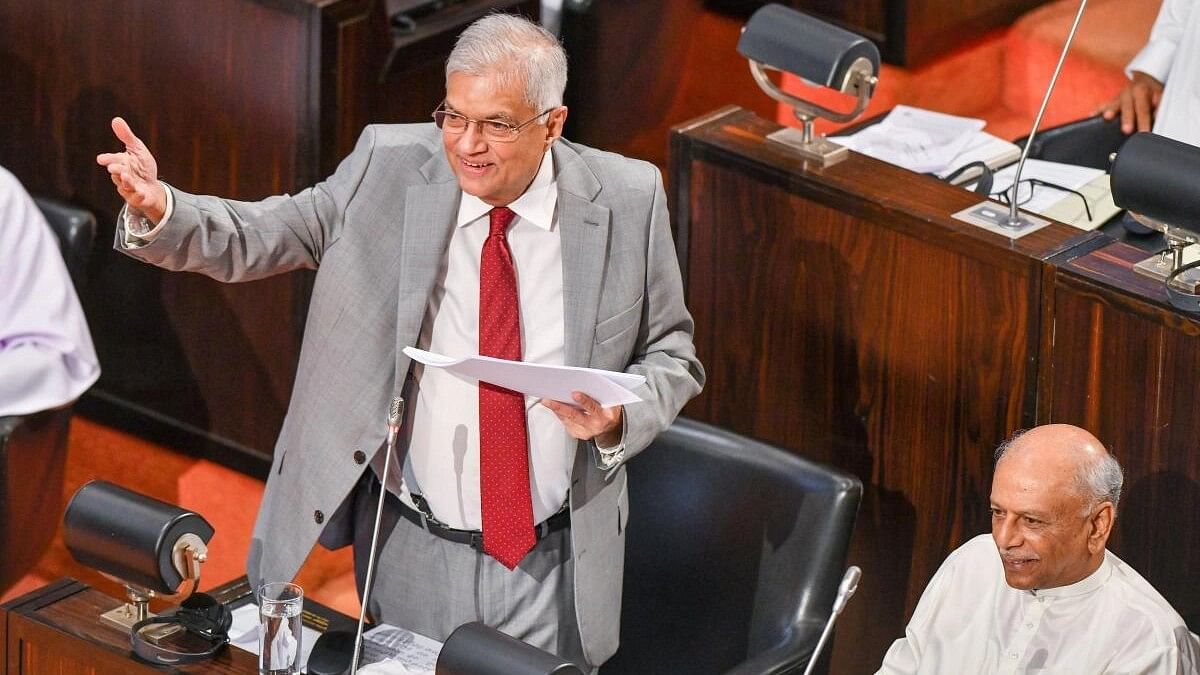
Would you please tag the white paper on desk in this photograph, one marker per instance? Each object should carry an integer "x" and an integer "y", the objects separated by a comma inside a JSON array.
[
  {"x": 393, "y": 650},
  {"x": 916, "y": 139},
  {"x": 537, "y": 379},
  {"x": 1059, "y": 204}
]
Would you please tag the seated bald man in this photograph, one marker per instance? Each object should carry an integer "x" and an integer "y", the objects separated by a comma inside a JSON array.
[{"x": 1043, "y": 595}]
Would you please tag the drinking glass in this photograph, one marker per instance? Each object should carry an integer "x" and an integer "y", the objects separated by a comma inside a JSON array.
[{"x": 280, "y": 628}]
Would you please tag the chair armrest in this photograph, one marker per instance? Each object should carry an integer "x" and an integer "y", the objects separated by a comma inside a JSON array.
[
  {"x": 790, "y": 656},
  {"x": 9, "y": 424}
]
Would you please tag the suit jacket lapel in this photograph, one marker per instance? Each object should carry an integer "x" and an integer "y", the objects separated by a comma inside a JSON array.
[
  {"x": 584, "y": 235},
  {"x": 428, "y": 222}
]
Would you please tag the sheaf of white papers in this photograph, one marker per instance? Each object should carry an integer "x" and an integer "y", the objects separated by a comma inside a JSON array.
[
  {"x": 540, "y": 380},
  {"x": 916, "y": 139}
]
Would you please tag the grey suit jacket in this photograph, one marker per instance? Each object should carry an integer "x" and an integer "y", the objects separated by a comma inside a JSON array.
[{"x": 377, "y": 231}]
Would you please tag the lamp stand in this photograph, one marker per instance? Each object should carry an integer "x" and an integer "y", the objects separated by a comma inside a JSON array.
[
  {"x": 137, "y": 609},
  {"x": 1160, "y": 265},
  {"x": 820, "y": 149}
]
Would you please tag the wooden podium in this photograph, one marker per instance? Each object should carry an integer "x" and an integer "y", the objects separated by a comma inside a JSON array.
[{"x": 842, "y": 312}]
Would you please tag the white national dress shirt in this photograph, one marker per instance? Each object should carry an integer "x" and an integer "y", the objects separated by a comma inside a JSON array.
[
  {"x": 46, "y": 354},
  {"x": 442, "y": 429},
  {"x": 970, "y": 621},
  {"x": 1172, "y": 56}
]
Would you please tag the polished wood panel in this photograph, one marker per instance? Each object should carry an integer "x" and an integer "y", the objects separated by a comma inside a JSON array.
[
  {"x": 1124, "y": 366},
  {"x": 841, "y": 312}
]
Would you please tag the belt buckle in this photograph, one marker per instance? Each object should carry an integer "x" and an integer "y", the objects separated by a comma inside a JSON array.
[{"x": 477, "y": 540}]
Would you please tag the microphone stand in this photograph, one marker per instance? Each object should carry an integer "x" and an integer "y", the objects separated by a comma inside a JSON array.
[
  {"x": 845, "y": 590},
  {"x": 1014, "y": 220},
  {"x": 985, "y": 214},
  {"x": 395, "y": 414}
]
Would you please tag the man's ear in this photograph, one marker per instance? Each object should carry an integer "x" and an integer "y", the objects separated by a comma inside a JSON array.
[
  {"x": 1101, "y": 523},
  {"x": 557, "y": 118}
]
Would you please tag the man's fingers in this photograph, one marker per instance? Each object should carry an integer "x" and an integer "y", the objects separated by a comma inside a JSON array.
[
  {"x": 1127, "y": 113},
  {"x": 1141, "y": 107},
  {"x": 121, "y": 128},
  {"x": 587, "y": 403}
]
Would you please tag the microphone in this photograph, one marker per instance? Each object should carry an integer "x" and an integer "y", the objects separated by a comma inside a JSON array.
[
  {"x": 845, "y": 591},
  {"x": 985, "y": 214},
  {"x": 332, "y": 653},
  {"x": 394, "y": 416}
]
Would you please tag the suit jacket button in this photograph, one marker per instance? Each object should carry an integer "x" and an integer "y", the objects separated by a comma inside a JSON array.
[
  {"x": 318, "y": 516},
  {"x": 359, "y": 456}
]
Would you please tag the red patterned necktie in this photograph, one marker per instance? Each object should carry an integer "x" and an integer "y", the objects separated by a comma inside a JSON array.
[{"x": 505, "y": 501}]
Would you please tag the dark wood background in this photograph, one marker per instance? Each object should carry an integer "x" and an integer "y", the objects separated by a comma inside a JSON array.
[{"x": 842, "y": 313}]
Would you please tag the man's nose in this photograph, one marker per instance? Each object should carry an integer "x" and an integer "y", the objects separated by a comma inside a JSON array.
[
  {"x": 1006, "y": 533},
  {"x": 471, "y": 140}
]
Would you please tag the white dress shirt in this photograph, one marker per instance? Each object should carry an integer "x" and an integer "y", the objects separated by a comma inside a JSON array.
[
  {"x": 1172, "y": 56},
  {"x": 970, "y": 621},
  {"x": 442, "y": 463},
  {"x": 46, "y": 355}
]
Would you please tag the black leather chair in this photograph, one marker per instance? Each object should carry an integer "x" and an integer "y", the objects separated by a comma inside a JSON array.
[
  {"x": 734, "y": 552},
  {"x": 1086, "y": 142},
  {"x": 33, "y": 448}
]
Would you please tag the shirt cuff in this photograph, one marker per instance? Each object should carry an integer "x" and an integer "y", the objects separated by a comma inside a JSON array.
[
  {"x": 607, "y": 458},
  {"x": 1154, "y": 60},
  {"x": 139, "y": 231}
]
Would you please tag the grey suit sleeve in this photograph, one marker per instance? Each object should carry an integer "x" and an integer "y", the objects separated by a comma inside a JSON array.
[
  {"x": 232, "y": 241},
  {"x": 664, "y": 352}
]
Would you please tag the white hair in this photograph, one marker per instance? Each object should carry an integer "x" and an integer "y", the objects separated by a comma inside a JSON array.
[
  {"x": 513, "y": 47},
  {"x": 1098, "y": 481}
]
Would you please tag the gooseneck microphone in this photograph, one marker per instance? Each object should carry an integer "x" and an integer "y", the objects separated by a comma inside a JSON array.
[
  {"x": 1014, "y": 220},
  {"x": 846, "y": 589},
  {"x": 394, "y": 416}
]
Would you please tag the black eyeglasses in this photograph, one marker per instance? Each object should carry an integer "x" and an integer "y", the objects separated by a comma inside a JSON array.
[
  {"x": 1024, "y": 192},
  {"x": 493, "y": 130}
]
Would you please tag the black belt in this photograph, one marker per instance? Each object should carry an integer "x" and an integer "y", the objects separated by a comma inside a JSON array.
[{"x": 474, "y": 538}]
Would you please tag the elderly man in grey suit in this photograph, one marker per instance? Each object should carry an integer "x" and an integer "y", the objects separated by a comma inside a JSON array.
[{"x": 483, "y": 231}]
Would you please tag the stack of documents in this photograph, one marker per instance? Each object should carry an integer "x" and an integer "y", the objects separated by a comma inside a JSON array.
[{"x": 931, "y": 142}]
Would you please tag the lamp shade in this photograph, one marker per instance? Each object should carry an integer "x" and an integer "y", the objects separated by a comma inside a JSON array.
[
  {"x": 1159, "y": 178},
  {"x": 476, "y": 649},
  {"x": 794, "y": 42},
  {"x": 128, "y": 535}
]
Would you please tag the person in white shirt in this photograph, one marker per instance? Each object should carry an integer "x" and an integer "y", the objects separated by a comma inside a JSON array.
[
  {"x": 46, "y": 355},
  {"x": 1163, "y": 92},
  {"x": 1042, "y": 594}
]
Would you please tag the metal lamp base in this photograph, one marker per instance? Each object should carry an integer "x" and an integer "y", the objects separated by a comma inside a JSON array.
[
  {"x": 819, "y": 149},
  {"x": 1160, "y": 265}
]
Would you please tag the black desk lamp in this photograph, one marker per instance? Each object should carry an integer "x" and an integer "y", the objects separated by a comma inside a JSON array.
[
  {"x": 1157, "y": 179},
  {"x": 781, "y": 38},
  {"x": 150, "y": 546}
]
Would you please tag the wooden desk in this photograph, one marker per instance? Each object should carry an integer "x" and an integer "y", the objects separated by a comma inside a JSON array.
[
  {"x": 55, "y": 629},
  {"x": 1124, "y": 364},
  {"x": 842, "y": 312}
]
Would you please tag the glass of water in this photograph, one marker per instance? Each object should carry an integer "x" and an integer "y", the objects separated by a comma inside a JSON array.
[{"x": 279, "y": 632}]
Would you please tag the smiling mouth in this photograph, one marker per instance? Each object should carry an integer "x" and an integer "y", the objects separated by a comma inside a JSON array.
[
  {"x": 474, "y": 166},
  {"x": 1018, "y": 564}
]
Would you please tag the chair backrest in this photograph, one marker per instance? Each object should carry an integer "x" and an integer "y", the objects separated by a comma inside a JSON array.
[
  {"x": 1086, "y": 142},
  {"x": 733, "y": 554},
  {"x": 75, "y": 229}
]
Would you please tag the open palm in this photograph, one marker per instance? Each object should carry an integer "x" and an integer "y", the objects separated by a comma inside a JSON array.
[{"x": 135, "y": 173}]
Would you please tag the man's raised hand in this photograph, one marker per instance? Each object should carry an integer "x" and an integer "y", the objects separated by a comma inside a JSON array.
[{"x": 135, "y": 173}]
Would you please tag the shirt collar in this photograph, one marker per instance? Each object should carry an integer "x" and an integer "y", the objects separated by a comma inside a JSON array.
[
  {"x": 1088, "y": 584},
  {"x": 535, "y": 205}
]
